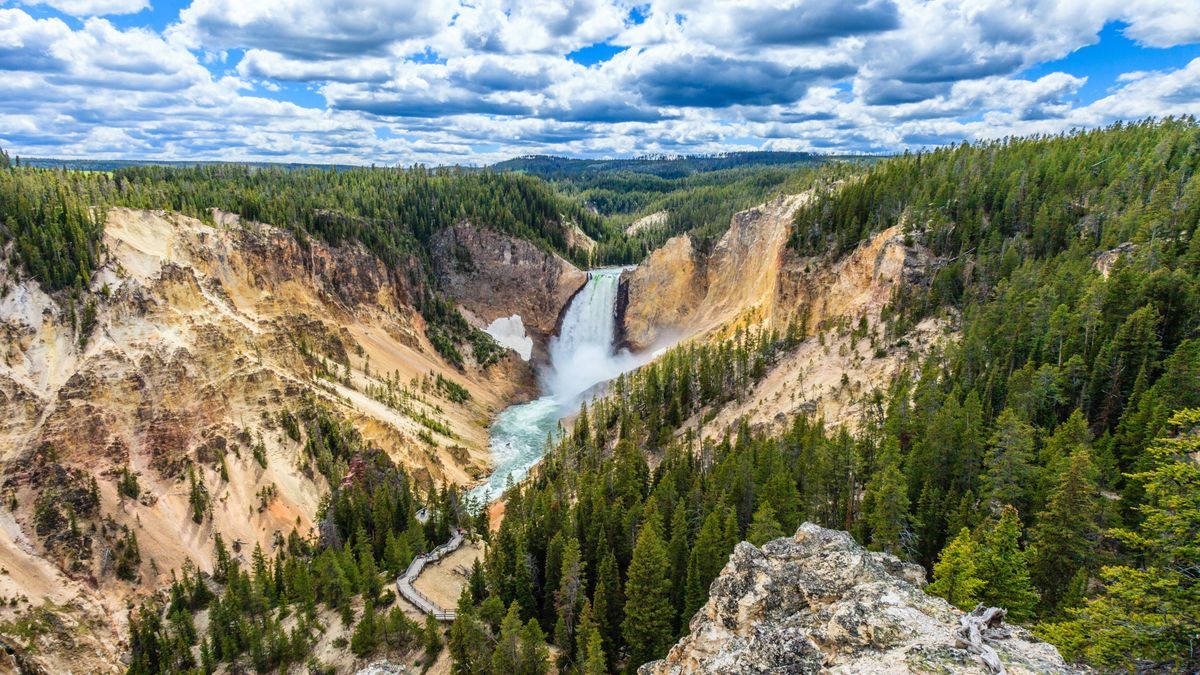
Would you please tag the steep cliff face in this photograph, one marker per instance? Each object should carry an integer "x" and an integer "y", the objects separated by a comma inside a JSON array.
[
  {"x": 819, "y": 602},
  {"x": 751, "y": 279},
  {"x": 496, "y": 276},
  {"x": 200, "y": 342},
  {"x": 816, "y": 293},
  {"x": 848, "y": 352},
  {"x": 701, "y": 293},
  {"x": 674, "y": 275}
]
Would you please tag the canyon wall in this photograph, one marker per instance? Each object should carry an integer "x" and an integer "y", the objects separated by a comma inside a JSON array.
[
  {"x": 495, "y": 276},
  {"x": 198, "y": 343},
  {"x": 752, "y": 279}
]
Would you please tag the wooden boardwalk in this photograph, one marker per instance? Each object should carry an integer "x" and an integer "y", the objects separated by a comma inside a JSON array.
[{"x": 404, "y": 583}]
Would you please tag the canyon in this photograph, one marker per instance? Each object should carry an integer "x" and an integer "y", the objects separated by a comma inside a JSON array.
[{"x": 208, "y": 334}]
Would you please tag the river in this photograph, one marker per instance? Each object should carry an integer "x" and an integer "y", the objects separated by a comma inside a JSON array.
[{"x": 582, "y": 356}]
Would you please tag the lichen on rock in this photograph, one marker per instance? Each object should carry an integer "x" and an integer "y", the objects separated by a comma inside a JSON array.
[{"x": 820, "y": 602}]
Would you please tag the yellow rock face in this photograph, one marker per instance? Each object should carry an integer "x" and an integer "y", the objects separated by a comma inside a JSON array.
[
  {"x": 204, "y": 335},
  {"x": 677, "y": 293}
]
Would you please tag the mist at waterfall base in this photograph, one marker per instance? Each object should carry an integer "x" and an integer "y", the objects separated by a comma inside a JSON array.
[{"x": 582, "y": 356}]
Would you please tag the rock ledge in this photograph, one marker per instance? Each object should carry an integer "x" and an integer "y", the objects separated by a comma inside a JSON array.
[{"x": 819, "y": 602}]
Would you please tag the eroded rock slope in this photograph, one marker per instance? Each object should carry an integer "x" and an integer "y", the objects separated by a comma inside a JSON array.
[
  {"x": 199, "y": 343},
  {"x": 496, "y": 276}
]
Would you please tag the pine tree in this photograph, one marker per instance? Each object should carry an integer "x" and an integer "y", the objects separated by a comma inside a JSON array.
[
  {"x": 764, "y": 527},
  {"x": 1149, "y": 612},
  {"x": 534, "y": 656},
  {"x": 594, "y": 663},
  {"x": 469, "y": 641},
  {"x": 568, "y": 599},
  {"x": 888, "y": 495},
  {"x": 710, "y": 552},
  {"x": 1008, "y": 472},
  {"x": 648, "y": 621},
  {"x": 365, "y": 637},
  {"x": 1066, "y": 533},
  {"x": 780, "y": 490},
  {"x": 608, "y": 606},
  {"x": 301, "y": 591},
  {"x": 369, "y": 573},
  {"x": 1004, "y": 570},
  {"x": 954, "y": 576},
  {"x": 677, "y": 554},
  {"x": 477, "y": 582},
  {"x": 507, "y": 656},
  {"x": 433, "y": 639}
]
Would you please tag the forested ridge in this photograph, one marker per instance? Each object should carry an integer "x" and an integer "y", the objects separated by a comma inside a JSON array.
[
  {"x": 665, "y": 166},
  {"x": 54, "y": 218},
  {"x": 1037, "y": 462},
  {"x": 700, "y": 204}
]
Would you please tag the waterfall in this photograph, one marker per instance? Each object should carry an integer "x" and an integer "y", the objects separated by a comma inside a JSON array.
[{"x": 582, "y": 356}]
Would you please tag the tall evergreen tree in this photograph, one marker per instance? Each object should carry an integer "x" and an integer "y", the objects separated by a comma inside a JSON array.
[
  {"x": 1004, "y": 570},
  {"x": 1066, "y": 534},
  {"x": 764, "y": 527},
  {"x": 888, "y": 497},
  {"x": 648, "y": 627},
  {"x": 1149, "y": 613},
  {"x": 1008, "y": 462}
]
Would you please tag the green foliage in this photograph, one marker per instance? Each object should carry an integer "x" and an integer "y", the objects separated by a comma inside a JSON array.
[
  {"x": 886, "y": 504},
  {"x": 127, "y": 556},
  {"x": 1004, "y": 570},
  {"x": 955, "y": 576},
  {"x": 48, "y": 218},
  {"x": 127, "y": 484},
  {"x": 364, "y": 639},
  {"x": 765, "y": 527},
  {"x": 1067, "y": 534},
  {"x": 648, "y": 626},
  {"x": 1147, "y": 614},
  {"x": 198, "y": 498},
  {"x": 1007, "y": 472}
]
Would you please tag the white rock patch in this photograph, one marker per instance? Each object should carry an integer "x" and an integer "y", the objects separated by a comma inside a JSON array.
[{"x": 510, "y": 332}]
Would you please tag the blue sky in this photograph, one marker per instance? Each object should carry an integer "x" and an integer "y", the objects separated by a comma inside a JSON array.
[{"x": 362, "y": 81}]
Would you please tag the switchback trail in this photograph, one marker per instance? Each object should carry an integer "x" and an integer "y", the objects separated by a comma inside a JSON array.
[{"x": 404, "y": 583}]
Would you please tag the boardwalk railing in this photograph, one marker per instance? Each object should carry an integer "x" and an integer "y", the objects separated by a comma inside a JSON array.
[{"x": 404, "y": 583}]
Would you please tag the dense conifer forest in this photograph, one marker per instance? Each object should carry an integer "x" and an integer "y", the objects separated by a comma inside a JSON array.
[{"x": 1037, "y": 463}]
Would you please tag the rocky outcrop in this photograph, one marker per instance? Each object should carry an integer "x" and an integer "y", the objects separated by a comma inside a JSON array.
[
  {"x": 495, "y": 275},
  {"x": 646, "y": 222},
  {"x": 819, "y": 602},
  {"x": 1105, "y": 261},
  {"x": 704, "y": 292}
]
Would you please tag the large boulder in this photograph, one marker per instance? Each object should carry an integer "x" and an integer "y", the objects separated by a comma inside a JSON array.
[{"x": 820, "y": 602}]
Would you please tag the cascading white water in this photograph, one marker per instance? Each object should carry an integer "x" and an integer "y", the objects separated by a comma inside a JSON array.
[{"x": 582, "y": 356}]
